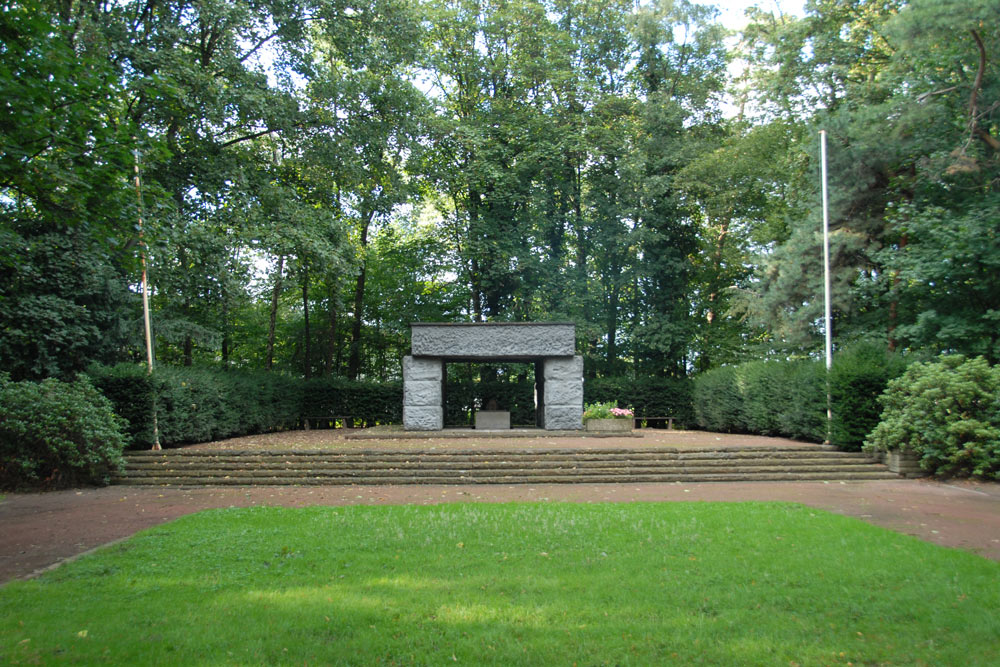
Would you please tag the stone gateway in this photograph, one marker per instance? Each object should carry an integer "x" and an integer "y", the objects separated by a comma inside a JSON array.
[{"x": 550, "y": 345}]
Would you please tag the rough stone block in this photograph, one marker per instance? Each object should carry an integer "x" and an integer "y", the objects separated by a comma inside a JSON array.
[
  {"x": 566, "y": 368},
  {"x": 563, "y": 417},
  {"x": 422, "y": 392},
  {"x": 493, "y": 340},
  {"x": 493, "y": 420},
  {"x": 419, "y": 368},
  {"x": 564, "y": 392},
  {"x": 423, "y": 418}
]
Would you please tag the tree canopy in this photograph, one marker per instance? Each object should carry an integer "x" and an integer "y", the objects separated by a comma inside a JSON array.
[{"x": 316, "y": 174}]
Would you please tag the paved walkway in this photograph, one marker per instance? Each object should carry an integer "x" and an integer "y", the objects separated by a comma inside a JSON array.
[
  {"x": 42, "y": 529},
  {"x": 39, "y": 530}
]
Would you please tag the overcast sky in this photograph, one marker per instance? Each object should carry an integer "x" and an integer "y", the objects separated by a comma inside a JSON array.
[{"x": 732, "y": 10}]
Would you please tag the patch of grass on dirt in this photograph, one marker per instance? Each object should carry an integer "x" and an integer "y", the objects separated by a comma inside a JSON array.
[{"x": 716, "y": 583}]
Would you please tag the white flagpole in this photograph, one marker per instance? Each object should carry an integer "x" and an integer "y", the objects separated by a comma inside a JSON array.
[{"x": 828, "y": 318}]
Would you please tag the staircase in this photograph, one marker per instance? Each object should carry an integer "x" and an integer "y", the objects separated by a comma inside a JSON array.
[{"x": 524, "y": 466}]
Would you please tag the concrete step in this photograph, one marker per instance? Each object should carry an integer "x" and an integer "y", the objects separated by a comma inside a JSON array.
[
  {"x": 505, "y": 479},
  {"x": 557, "y": 466}
]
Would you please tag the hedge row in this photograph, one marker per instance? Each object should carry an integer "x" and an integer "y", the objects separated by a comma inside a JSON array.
[
  {"x": 56, "y": 434},
  {"x": 647, "y": 396},
  {"x": 789, "y": 398},
  {"x": 653, "y": 397}
]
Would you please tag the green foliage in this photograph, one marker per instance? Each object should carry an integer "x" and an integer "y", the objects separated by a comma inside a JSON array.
[
  {"x": 607, "y": 410},
  {"x": 647, "y": 396},
  {"x": 56, "y": 434},
  {"x": 198, "y": 405},
  {"x": 370, "y": 402},
  {"x": 781, "y": 398},
  {"x": 788, "y": 398},
  {"x": 948, "y": 413},
  {"x": 859, "y": 375}
]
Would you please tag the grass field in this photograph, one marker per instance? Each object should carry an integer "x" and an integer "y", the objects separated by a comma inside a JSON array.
[{"x": 683, "y": 583}]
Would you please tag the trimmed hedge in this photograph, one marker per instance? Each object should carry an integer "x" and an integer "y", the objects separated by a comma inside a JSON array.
[
  {"x": 370, "y": 402},
  {"x": 57, "y": 434},
  {"x": 647, "y": 396},
  {"x": 788, "y": 398},
  {"x": 463, "y": 397},
  {"x": 198, "y": 405},
  {"x": 948, "y": 413}
]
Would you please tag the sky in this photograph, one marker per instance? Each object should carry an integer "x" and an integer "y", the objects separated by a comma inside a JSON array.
[{"x": 732, "y": 10}]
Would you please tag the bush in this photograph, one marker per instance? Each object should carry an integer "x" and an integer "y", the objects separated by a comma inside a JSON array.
[
  {"x": 948, "y": 413},
  {"x": 464, "y": 397},
  {"x": 781, "y": 398},
  {"x": 198, "y": 405},
  {"x": 647, "y": 396},
  {"x": 57, "y": 434},
  {"x": 859, "y": 376},
  {"x": 370, "y": 402},
  {"x": 788, "y": 398}
]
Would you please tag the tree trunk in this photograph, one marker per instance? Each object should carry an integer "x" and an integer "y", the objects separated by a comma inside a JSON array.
[
  {"x": 331, "y": 340},
  {"x": 269, "y": 355},
  {"x": 354, "y": 360},
  {"x": 307, "y": 348}
]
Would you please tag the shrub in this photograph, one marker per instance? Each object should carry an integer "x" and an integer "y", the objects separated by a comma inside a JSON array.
[
  {"x": 370, "y": 402},
  {"x": 859, "y": 376},
  {"x": 783, "y": 398},
  {"x": 197, "y": 405},
  {"x": 56, "y": 434},
  {"x": 606, "y": 411},
  {"x": 647, "y": 396},
  {"x": 718, "y": 403},
  {"x": 788, "y": 398},
  {"x": 464, "y": 397},
  {"x": 948, "y": 413}
]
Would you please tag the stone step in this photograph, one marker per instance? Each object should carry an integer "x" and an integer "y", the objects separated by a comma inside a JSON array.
[
  {"x": 487, "y": 470},
  {"x": 208, "y": 467},
  {"x": 538, "y": 463},
  {"x": 506, "y": 479}
]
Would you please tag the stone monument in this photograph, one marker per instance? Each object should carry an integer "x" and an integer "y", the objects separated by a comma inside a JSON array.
[{"x": 550, "y": 345}]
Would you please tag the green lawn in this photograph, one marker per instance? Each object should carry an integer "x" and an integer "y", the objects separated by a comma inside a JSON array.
[{"x": 741, "y": 583}]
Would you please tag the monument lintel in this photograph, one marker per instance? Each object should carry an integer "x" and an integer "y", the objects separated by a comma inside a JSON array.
[{"x": 550, "y": 345}]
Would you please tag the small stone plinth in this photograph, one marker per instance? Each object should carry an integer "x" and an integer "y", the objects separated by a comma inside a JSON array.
[
  {"x": 904, "y": 463},
  {"x": 493, "y": 420},
  {"x": 609, "y": 425}
]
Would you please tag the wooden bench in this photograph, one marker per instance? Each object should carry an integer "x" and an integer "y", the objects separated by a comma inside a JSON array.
[
  {"x": 669, "y": 421},
  {"x": 329, "y": 420}
]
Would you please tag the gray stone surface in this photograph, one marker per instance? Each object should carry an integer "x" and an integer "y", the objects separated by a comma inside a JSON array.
[
  {"x": 565, "y": 368},
  {"x": 564, "y": 392},
  {"x": 493, "y": 340},
  {"x": 559, "y": 417},
  {"x": 422, "y": 392},
  {"x": 423, "y": 417},
  {"x": 492, "y": 420},
  {"x": 422, "y": 368}
]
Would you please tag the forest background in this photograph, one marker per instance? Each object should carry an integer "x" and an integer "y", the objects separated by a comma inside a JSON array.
[{"x": 316, "y": 174}]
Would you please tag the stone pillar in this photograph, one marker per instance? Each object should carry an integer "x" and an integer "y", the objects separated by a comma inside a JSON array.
[
  {"x": 423, "y": 378},
  {"x": 563, "y": 393}
]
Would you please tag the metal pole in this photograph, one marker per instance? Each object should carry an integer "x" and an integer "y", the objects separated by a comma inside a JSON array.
[
  {"x": 828, "y": 318},
  {"x": 145, "y": 300}
]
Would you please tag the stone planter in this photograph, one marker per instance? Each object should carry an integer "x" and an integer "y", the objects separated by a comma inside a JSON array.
[
  {"x": 609, "y": 425},
  {"x": 904, "y": 463}
]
